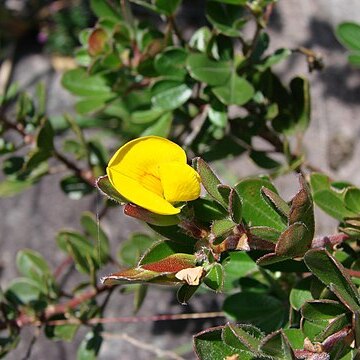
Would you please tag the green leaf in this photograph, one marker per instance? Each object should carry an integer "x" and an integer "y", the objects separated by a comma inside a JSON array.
[
  {"x": 79, "y": 82},
  {"x": 209, "y": 71},
  {"x": 93, "y": 103},
  {"x": 132, "y": 249},
  {"x": 175, "y": 233},
  {"x": 167, "y": 7},
  {"x": 227, "y": 19},
  {"x": 100, "y": 240},
  {"x": 11, "y": 187},
  {"x": 75, "y": 187},
  {"x": 354, "y": 59},
  {"x": 169, "y": 95},
  {"x": 263, "y": 311},
  {"x": 238, "y": 265},
  {"x": 236, "y": 91},
  {"x": 243, "y": 337},
  {"x": 234, "y": 2},
  {"x": 102, "y": 9},
  {"x": 163, "y": 249},
  {"x": 322, "y": 310},
  {"x": 146, "y": 116},
  {"x": 185, "y": 293},
  {"x": 214, "y": 278},
  {"x": 45, "y": 137},
  {"x": 209, "y": 181},
  {"x": 31, "y": 264},
  {"x": 300, "y": 293},
  {"x": 329, "y": 271},
  {"x": 221, "y": 227},
  {"x": 348, "y": 33},
  {"x": 265, "y": 233},
  {"x": 273, "y": 59},
  {"x": 161, "y": 127},
  {"x": 235, "y": 206},
  {"x": 279, "y": 204},
  {"x": 328, "y": 198},
  {"x": 261, "y": 159},
  {"x": 90, "y": 346},
  {"x": 171, "y": 62},
  {"x": 208, "y": 210},
  {"x": 23, "y": 291},
  {"x": 200, "y": 39},
  {"x": 277, "y": 345},
  {"x": 352, "y": 199},
  {"x": 61, "y": 332},
  {"x": 104, "y": 185},
  {"x": 209, "y": 345},
  {"x": 255, "y": 210}
]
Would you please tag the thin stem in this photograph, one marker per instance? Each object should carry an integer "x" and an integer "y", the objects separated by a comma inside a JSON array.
[{"x": 144, "y": 346}]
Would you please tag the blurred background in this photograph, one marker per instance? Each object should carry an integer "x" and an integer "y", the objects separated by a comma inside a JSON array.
[{"x": 37, "y": 42}]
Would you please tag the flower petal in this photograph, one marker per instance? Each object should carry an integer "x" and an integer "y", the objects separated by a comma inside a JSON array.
[
  {"x": 140, "y": 158},
  {"x": 133, "y": 191},
  {"x": 180, "y": 182}
]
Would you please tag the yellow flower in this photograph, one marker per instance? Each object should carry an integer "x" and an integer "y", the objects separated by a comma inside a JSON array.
[{"x": 152, "y": 172}]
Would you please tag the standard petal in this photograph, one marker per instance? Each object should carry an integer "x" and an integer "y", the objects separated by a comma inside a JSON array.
[
  {"x": 180, "y": 182},
  {"x": 136, "y": 193},
  {"x": 140, "y": 158}
]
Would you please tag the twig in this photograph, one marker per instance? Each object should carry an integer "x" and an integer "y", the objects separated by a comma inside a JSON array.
[
  {"x": 136, "y": 319},
  {"x": 144, "y": 346}
]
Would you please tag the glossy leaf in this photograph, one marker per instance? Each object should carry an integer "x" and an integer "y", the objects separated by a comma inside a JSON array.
[
  {"x": 169, "y": 95},
  {"x": 348, "y": 34}
]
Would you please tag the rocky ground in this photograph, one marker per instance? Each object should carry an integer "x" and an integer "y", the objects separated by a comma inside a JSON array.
[{"x": 32, "y": 219}]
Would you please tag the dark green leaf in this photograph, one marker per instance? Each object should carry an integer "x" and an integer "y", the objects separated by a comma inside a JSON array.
[
  {"x": 171, "y": 62},
  {"x": 90, "y": 346},
  {"x": 261, "y": 310},
  {"x": 209, "y": 181},
  {"x": 280, "y": 205},
  {"x": 167, "y": 7},
  {"x": 61, "y": 332},
  {"x": 185, "y": 293},
  {"x": 209, "y": 345},
  {"x": 23, "y": 291},
  {"x": 214, "y": 279},
  {"x": 277, "y": 345},
  {"x": 102, "y": 9},
  {"x": 265, "y": 233},
  {"x": 221, "y": 227},
  {"x": 208, "y": 210},
  {"x": 333, "y": 275},
  {"x": 322, "y": 310},
  {"x": 227, "y": 19},
  {"x": 104, "y": 185},
  {"x": 235, "y": 206},
  {"x": 75, "y": 187}
]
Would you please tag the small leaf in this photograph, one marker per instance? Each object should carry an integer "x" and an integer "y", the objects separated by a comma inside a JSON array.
[
  {"x": 214, "y": 278},
  {"x": 265, "y": 233},
  {"x": 352, "y": 199},
  {"x": 23, "y": 291},
  {"x": 332, "y": 274},
  {"x": 167, "y": 7},
  {"x": 161, "y": 127},
  {"x": 75, "y": 187},
  {"x": 235, "y": 206},
  {"x": 102, "y": 9},
  {"x": 280, "y": 205},
  {"x": 185, "y": 292},
  {"x": 104, "y": 185},
  {"x": 221, "y": 227},
  {"x": 348, "y": 34},
  {"x": 90, "y": 346},
  {"x": 300, "y": 293},
  {"x": 209, "y": 181},
  {"x": 61, "y": 332},
  {"x": 277, "y": 345},
  {"x": 209, "y": 345},
  {"x": 255, "y": 210},
  {"x": 149, "y": 217},
  {"x": 322, "y": 310}
]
